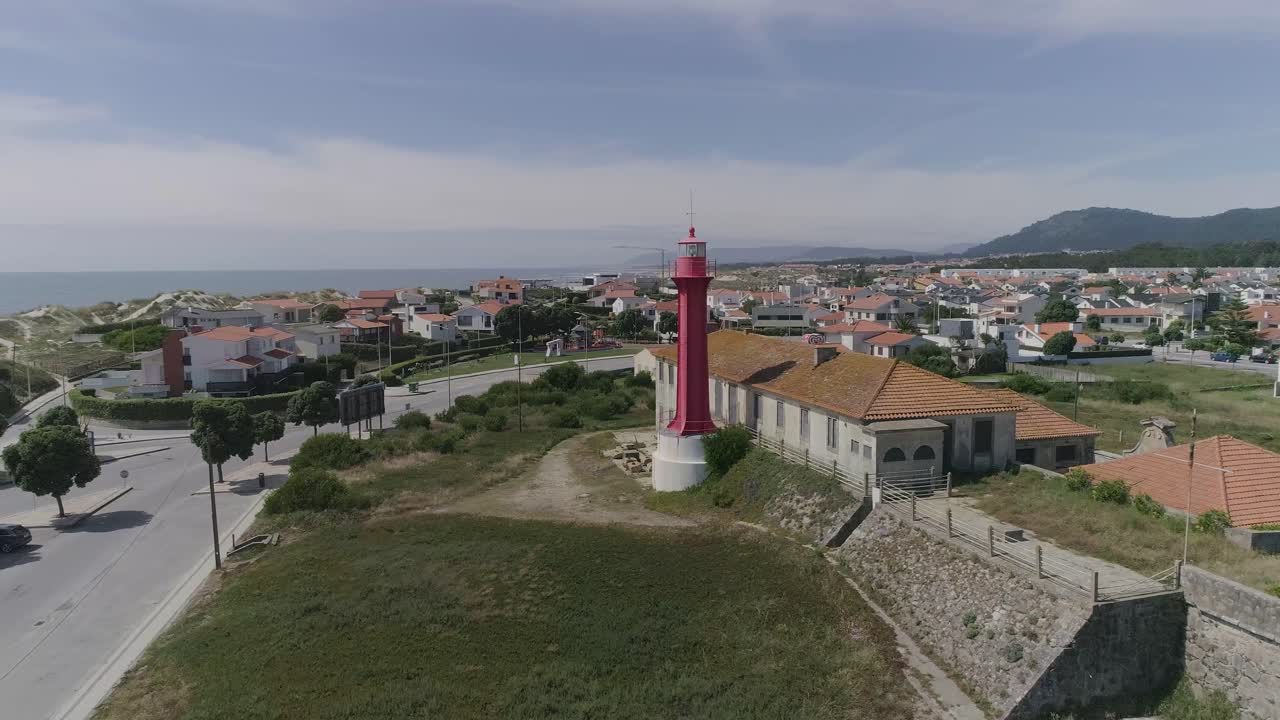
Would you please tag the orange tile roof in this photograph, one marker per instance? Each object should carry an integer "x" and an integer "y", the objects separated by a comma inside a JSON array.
[
  {"x": 236, "y": 333},
  {"x": 361, "y": 324},
  {"x": 365, "y": 303},
  {"x": 278, "y": 353},
  {"x": 491, "y": 307},
  {"x": 377, "y": 294},
  {"x": 891, "y": 338},
  {"x": 1258, "y": 313},
  {"x": 1037, "y": 422},
  {"x": 434, "y": 317},
  {"x": 851, "y": 384},
  {"x": 871, "y": 302},
  {"x": 1230, "y": 475},
  {"x": 1119, "y": 312},
  {"x": 1048, "y": 330},
  {"x": 248, "y": 360}
]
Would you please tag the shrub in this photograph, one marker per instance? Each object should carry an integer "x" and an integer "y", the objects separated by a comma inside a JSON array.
[
  {"x": 448, "y": 441},
  {"x": 363, "y": 380},
  {"x": 725, "y": 447},
  {"x": 1214, "y": 522},
  {"x": 1013, "y": 652},
  {"x": 1274, "y": 590},
  {"x": 167, "y": 409},
  {"x": 1116, "y": 337},
  {"x": 1078, "y": 480},
  {"x": 1112, "y": 491},
  {"x": 603, "y": 407},
  {"x": 414, "y": 420},
  {"x": 1136, "y": 393},
  {"x": 972, "y": 632},
  {"x": 641, "y": 379},
  {"x": 1028, "y": 384},
  {"x": 495, "y": 421},
  {"x": 539, "y": 396},
  {"x": 1147, "y": 506},
  {"x": 469, "y": 422},
  {"x": 565, "y": 376},
  {"x": 312, "y": 489},
  {"x": 390, "y": 379},
  {"x": 1061, "y": 392},
  {"x": 471, "y": 404},
  {"x": 969, "y": 618},
  {"x": 600, "y": 381},
  {"x": 565, "y": 418},
  {"x": 331, "y": 451}
]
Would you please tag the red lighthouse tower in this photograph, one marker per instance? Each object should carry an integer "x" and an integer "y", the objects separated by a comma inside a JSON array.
[{"x": 680, "y": 462}]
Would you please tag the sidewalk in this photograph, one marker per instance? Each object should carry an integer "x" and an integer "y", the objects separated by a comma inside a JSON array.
[
  {"x": 78, "y": 507},
  {"x": 245, "y": 480}
]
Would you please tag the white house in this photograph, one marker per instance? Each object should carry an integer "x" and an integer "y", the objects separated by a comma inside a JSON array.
[
  {"x": 188, "y": 316},
  {"x": 287, "y": 311},
  {"x": 317, "y": 341},
  {"x": 233, "y": 360},
  {"x": 881, "y": 308},
  {"x": 894, "y": 344},
  {"x": 1131, "y": 319},
  {"x": 435, "y": 326},
  {"x": 478, "y": 317},
  {"x": 502, "y": 289},
  {"x": 624, "y": 303}
]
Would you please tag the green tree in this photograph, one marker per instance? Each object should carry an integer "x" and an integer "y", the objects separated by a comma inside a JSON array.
[
  {"x": 222, "y": 431},
  {"x": 513, "y": 320},
  {"x": 1060, "y": 344},
  {"x": 934, "y": 358},
  {"x": 1233, "y": 324},
  {"x": 1152, "y": 337},
  {"x": 1235, "y": 350},
  {"x": 668, "y": 323},
  {"x": 994, "y": 358},
  {"x": 1192, "y": 345},
  {"x": 629, "y": 323},
  {"x": 50, "y": 460},
  {"x": 1175, "y": 330},
  {"x": 314, "y": 405},
  {"x": 59, "y": 415},
  {"x": 329, "y": 313},
  {"x": 748, "y": 305},
  {"x": 1116, "y": 337},
  {"x": 554, "y": 319},
  {"x": 1059, "y": 310},
  {"x": 905, "y": 324},
  {"x": 1093, "y": 323},
  {"x": 267, "y": 428}
]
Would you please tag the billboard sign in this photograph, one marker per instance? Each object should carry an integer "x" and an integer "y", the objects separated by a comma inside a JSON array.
[{"x": 362, "y": 403}]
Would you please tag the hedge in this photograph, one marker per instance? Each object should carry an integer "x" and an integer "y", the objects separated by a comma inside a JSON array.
[
  {"x": 369, "y": 351},
  {"x": 167, "y": 409},
  {"x": 108, "y": 327}
]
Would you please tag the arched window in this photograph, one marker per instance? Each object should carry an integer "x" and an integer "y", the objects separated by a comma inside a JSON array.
[
  {"x": 894, "y": 455},
  {"x": 924, "y": 452}
]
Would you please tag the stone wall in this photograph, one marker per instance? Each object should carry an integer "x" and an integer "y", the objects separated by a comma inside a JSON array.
[
  {"x": 1233, "y": 642},
  {"x": 994, "y": 631},
  {"x": 1120, "y": 658},
  {"x": 1263, "y": 541}
]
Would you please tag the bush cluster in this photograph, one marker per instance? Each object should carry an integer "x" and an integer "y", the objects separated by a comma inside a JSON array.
[
  {"x": 1028, "y": 384},
  {"x": 1078, "y": 480},
  {"x": 331, "y": 451},
  {"x": 315, "y": 489},
  {"x": 641, "y": 379},
  {"x": 1214, "y": 522},
  {"x": 725, "y": 447},
  {"x": 168, "y": 409},
  {"x": 1112, "y": 491},
  {"x": 1136, "y": 393},
  {"x": 414, "y": 420},
  {"x": 1146, "y": 505},
  {"x": 565, "y": 418},
  {"x": 495, "y": 421}
]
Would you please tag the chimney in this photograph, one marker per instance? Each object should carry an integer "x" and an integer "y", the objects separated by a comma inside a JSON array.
[{"x": 823, "y": 353}]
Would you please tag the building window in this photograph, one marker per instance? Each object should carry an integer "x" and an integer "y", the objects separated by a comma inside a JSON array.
[
  {"x": 719, "y": 399},
  {"x": 662, "y": 372},
  {"x": 733, "y": 405},
  {"x": 756, "y": 405},
  {"x": 894, "y": 455},
  {"x": 983, "y": 435},
  {"x": 866, "y": 452},
  {"x": 924, "y": 452},
  {"x": 804, "y": 423},
  {"x": 1025, "y": 456},
  {"x": 1065, "y": 453},
  {"x": 833, "y": 433},
  {"x": 782, "y": 415},
  {"x": 854, "y": 447}
]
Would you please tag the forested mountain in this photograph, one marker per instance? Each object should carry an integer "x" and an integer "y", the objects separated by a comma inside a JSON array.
[
  {"x": 1115, "y": 229},
  {"x": 1240, "y": 254}
]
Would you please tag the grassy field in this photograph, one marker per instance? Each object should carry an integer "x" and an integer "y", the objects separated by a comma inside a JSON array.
[
  {"x": 1252, "y": 415},
  {"x": 1117, "y": 533},
  {"x": 471, "y": 617},
  {"x": 13, "y": 385},
  {"x": 506, "y": 361}
]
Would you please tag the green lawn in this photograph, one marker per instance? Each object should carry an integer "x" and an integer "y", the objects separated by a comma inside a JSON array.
[
  {"x": 1117, "y": 533},
  {"x": 507, "y": 361},
  {"x": 1252, "y": 415},
  {"x": 442, "y": 616}
]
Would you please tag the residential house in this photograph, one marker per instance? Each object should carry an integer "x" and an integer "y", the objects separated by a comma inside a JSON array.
[
  {"x": 881, "y": 308},
  {"x": 162, "y": 371},
  {"x": 478, "y": 317},
  {"x": 1230, "y": 475},
  {"x": 177, "y": 317},
  {"x": 606, "y": 300},
  {"x": 1266, "y": 316},
  {"x": 1130, "y": 319},
  {"x": 1190, "y": 308},
  {"x": 1014, "y": 309},
  {"x": 791, "y": 316},
  {"x": 1033, "y": 336},
  {"x": 317, "y": 341},
  {"x": 841, "y": 295},
  {"x": 608, "y": 286},
  {"x": 867, "y": 414},
  {"x": 362, "y": 305},
  {"x": 286, "y": 311},
  {"x": 360, "y": 330},
  {"x": 1046, "y": 439},
  {"x": 894, "y": 344},
  {"x": 235, "y": 360},
  {"x": 624, "y": 303},
  {"x": 503, "y": 290},
  {"x": 435, "y": 326}
]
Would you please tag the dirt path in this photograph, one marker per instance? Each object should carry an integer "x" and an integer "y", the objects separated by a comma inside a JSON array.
[{"x": 572, "y": 483}]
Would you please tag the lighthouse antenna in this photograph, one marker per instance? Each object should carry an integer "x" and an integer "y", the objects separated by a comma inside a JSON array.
[{"x": 690, "y": 213}]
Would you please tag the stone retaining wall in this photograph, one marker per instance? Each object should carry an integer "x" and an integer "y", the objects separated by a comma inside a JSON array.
[
  {"x": 1233, "y": 642},
  {"x": 1263, "y": 541},
  {"x": 994, "y": 631}
]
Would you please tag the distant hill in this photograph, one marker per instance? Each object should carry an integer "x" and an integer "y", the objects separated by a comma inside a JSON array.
[
  {"x": 774, "y": 254},
  {"x": 1116, "y": 229}
]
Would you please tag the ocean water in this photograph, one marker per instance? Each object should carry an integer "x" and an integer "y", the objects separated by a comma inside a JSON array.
[{"x": 26, "y": 290}]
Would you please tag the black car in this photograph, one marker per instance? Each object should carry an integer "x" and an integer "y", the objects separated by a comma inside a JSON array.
[{"x": 13, "y": 537}]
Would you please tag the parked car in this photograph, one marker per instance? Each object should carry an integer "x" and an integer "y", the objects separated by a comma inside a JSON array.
[
  {"x": 1223, "y": 357},
  {"x": 1263, "y": 358},
  {"x": 13, "y": 537}
]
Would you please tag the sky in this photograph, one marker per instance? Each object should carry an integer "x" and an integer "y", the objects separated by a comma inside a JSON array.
[{"x": 219, "y": 134}]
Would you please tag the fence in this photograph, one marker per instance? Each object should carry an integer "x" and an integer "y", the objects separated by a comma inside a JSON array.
[
  {"x": 1025, "y": 556},
  {"x": 1060, "y": 374},
  {"x": 855, "y": 482}
]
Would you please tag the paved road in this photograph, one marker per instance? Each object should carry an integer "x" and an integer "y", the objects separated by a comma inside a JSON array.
[
  {"x": 74, "y": 597},
  {"x": 1201, "y": 359}
]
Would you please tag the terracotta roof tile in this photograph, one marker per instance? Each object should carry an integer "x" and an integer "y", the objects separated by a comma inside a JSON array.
[
  {"x": 891, "y": 338},
  {"x": 1037, "y": 422},
  {"x": 278, "y": 353},
  {"x": 1121, "y": 312},
  {"x": 248, "y": 360},
  {"x": 1230, "y": 475},
  {"x": 871, "y": 302},
  {"x": 850, "y": 384}
]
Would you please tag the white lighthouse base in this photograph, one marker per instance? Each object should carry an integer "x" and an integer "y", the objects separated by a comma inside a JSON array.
[{"x": 680, "y": 462}]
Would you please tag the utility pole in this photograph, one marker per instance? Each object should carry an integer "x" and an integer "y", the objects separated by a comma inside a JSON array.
[
  {"x": 213, "y": 514},
  {"x": 1075, "y": 412},
  {"x": 1191, "y": 469},
  {"x": 519, "y": 362}
]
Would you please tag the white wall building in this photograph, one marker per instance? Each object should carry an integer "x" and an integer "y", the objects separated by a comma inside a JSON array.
[{"x": 231, "y": 360}]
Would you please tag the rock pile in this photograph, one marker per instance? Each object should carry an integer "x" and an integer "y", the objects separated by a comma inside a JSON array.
[{"x": 634, "y": 458}]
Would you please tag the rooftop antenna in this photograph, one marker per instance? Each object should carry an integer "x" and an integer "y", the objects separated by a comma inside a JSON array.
[{"x": 690, "y": 213}]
